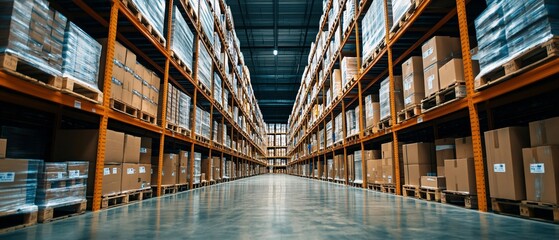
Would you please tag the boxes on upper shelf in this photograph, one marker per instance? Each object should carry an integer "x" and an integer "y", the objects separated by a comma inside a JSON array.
[
  {"x": 412, "y": 74},
  {"x": 384, "y": 97}
]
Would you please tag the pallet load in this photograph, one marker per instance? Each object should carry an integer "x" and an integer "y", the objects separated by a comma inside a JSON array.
[
  {"x": 399, "y": 10},
  {"x": 204, "y": 68},
  {"x": 207, "y": 20},
  {"x": 387, "y": 150},
  {"x": 168, "y": 171},
  {"x": 417, "y": 162},
  {"x": 202, "y": 123},
  {"x": 384, "y": 100},
  {"x": 217, "y": 88},
  {"x": 358, "y": 172},
  {"x": 197, "y": 168},
  {"x": 336, "y": 83},
  {"x": 182, "y": 40},
  {"x": 348, "y": 15},
  {"x": 509, "y": 32},
  {"x": 414, "y": 89},
  {"x": 338, "y": 130},
  {"x": 374, "y": 29},
  {"x": 154, "y": 13},
  {"x": 349, "y": 70},
  {"x": 34, "y": 36},
  {"x": 372, "y": 112},
  {"x": 61, "y": 188},
  {"x": 329, "y": 134},
  {"x": 351, "y": 124},
  {"x": 207, "y": 169}
]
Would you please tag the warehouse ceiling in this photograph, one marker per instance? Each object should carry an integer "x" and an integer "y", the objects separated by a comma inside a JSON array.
[{"x": 290, "y": 26}]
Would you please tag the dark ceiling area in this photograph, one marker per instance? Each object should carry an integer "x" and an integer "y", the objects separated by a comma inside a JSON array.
[{"x": 288, "y": 26}]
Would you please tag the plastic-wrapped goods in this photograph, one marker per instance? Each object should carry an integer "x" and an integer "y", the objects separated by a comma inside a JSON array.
[
  {"x": 217, "y": 48},
  {"x": 338, "y": 124},
  {"x": 399, "y": 9},
  {"x": 492, "y": 42},
  {"x": 349, "y": 69},
  {"x": 182, "y": 42},
  {"x": 348, "y": 15},
  {"x": 207, "y": 19},
  {"x": 374, "y": 29},
  {"x": 32, "y": 33},
  {"x": 358, "y": 172},
  {"x": 350, "y": 122},
  {"x": 204, "y": 66},
  {"x": 197, "y": 167},
  {"x": 215, "y": 132},
  {"x": 217, "y": 88},
  {"x": 18, "y": 184},
  {"x": 329, "y": 134},
  {"x": 154, "y": 12},
  {"x": 321, "y": 139},
  {"x": 61, "y": 183},
  {"x": 225, "y": 98},
  {"x": 81, "y": 56},
  {"x": 372, "y": 115},
  {"x": 184, "y": 103},
  {"x": 384, "y": 96}
]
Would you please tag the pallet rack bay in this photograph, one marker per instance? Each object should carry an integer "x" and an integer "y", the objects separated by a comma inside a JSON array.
[{"x": 277, "y": 147}]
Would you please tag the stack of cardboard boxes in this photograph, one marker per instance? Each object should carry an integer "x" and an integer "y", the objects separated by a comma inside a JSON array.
[
  {"x": 384, "y": 97},
  {"x": 436, "y": 52},
  {"x": 349, "y": 69},
  {"x": 460, "y": 173},
  {"x": 19, "y": 184},
  {"x": 372, "y": 112},
  {"x": 169, "y": 171},
  {"x": 417, "y": 162},
  {"x": 412, "y": 73},
  {"x": 61, "y": 183}
]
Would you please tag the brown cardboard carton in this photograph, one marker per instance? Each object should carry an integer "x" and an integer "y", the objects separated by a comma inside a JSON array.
[
  {"x": 129, "y": 177},
  {"x": 3, "y": 145},
  {"x": 431, "y": 79},
  {"x": 412, "y": 66},
  {"x": 206, "y": 168},
  {"x": 503, "y": 148},
  {"x": 464, "y": 148},
  {"x": 82, "y": 145},
  {"x": 130, "y": 60},
  {"x": 112, "y": 175},
  {"x": 127, "y": 96},
  {"x": 131, "y": 149},
  {"x": 451, "y": 73},
  {"x": 182, "y": 174},
  {"x": 116, "y": 91},
  {"x": 145, "y": 155},
  {"x": 450, "y": 169},
  {"x": 440, "y": 49},
  {"x": 168, "y": 172},
  {"x": 418, "y": 153},
  {"x": 433, "y": 182},
  {"x": 77, "y": 169},
  {"x": 120, "y": 53},
  {"x": 144, "y": 175},
  {"x": 387, "y": 170},
  {"x": 541, "y": 171},
  {"x": 414, "y": 172},
  {"x": 544, "y": 132},
  {"x": 350, "y": 166},
  {"x": 371, "y": 154},
  {"x": 373, "y": 121},
  {"x": 374, "y": 171},
  {"x": 414, "y": 90},
  {"x": 444, "y": 149},
  {"x": 136, "y": 100},
  {"x": 440, "y": 171},
  {"x": 386, "y": 150},
  {"x": 127, "y": 83}
]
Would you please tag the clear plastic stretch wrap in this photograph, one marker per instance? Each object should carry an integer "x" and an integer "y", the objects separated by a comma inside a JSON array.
[
  {"x": 399, "y": 8},
  {"x": 204, "y": 66},
  {"x": 207, "y": 19},
  {"x": 182, "y": 42},
  {"x": 217, "y": 48},
  {"x": 348, "y": 15},
  {"x": 507, "y": 29},
  {"x": 374, "y": 29},
  {"x": 329, "y": 134},
  {"x": 197, "y": 167},
  {"x": 349, "y": 69},
  {"x": 215, "y": 131},
  {"x": 32, "y": 33},
  {"x": 18, "y": 184},
  {"x": 217, "y": 88},
  {"x": 202, "y": 123},
  {"x": 81, "y": 56},
  {"x": 358, "y": 174},
  {"x": 62, "y": 183},
  {"x": 154, "y": 12},
  {"x": 184, "y": 104},
  {"x": 384, "y": 99},
  {"x": 321, "y": 139},
  {"x": 350, "y": 122},
  {"x": 338, "y": 130}
]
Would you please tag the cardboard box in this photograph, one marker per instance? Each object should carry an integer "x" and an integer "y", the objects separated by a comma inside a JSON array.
[
  {"x": 431, "y": 79},
  {"x": 168, "y": 172},
  {"x": 374, "y": 171},
  {"x": 541, "y": 171},
  {"x": 418, "y": 153},
  {"x": 116, "y": 91},
  {"x": 145, "y": 155},
  {"x": 130, "y": 60},
  {"x": 386, "y": 150},
  {"x": 3, "y": 145},
  {"x": 433, "y": 182},
  {"x": 460, "y": 175},
  {"x": 375, "y": 118},
  {"x": 414, "y": 89},
  {"x": 129, "y": 179},
  {"x": 464, "y": 148},
  {"x": 387, "y": 171},
  {"x": 128, "y": 82},
  {"x": 450, "y": 73},
  {"x": 127, "y": 96},
  {"x": 412, "y": 66},
  {"x": 131, "y": 149},
  {"x": 207, "y": 165},
  {"x": 144, "y": 175},
  {"x": 77, "y": 169},
  {"x": 444, "y": 149},
  {"x": 182, "y": 174},
  {"x": 136, "y": 100},
  {"x": 371, "y": 154},
  {"x": 503, "y": 148},
  {"x": 112, "y": 175},
  {"x": 120, "y": 53},
  {"x": 544, "y": 132},
  {"x": 414, "y": 172},
  {"x": 82, "y": 145},
  {"x": 440, "y": 49}
]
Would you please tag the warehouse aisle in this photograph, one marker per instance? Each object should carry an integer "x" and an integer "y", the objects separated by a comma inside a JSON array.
[{"x": 286, "y": 207}]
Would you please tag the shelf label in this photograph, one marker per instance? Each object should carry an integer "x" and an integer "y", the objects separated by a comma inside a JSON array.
[
  {"x": 499, "y": 168},
  {"x": 537, "y": 168},
  {"x": 106, "y": 171},
  {"x": 7, "y": 177},
  {"x": 78, "y": 104},
  {"x": 419, "y": 119}
]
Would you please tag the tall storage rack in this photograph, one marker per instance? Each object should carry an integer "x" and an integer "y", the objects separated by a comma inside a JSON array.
[
  {"x": 480, "y": 110},
  {"x": 117, "y": 20},
  {"x": 277, "y": 161}
]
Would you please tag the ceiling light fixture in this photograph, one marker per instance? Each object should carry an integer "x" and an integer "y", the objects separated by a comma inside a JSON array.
[{"x": 275, "y": 52}]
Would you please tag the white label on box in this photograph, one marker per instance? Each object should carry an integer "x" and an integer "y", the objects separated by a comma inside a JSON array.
[
  {"x": 537, "y": 168},
  {"x": 430, "y": 80},
  {"x": 115, "y": 170},
  {"x": 407, "y": 83},
  {"x": 419, "y": 119},
  {"x": 73, "y": 173},
  {"x": 499, "y": 167},
  {"x": 143, "y": 150},
  {"x": 142, "y": 169},
  {"x": 59, "y": 175},
  {"x": 106, "y": 171},
  {"x": 407, "y": 100},
  {"x": 173, "y": 174},
  {"x": 7, "y": 177},
  {"x": 77, "y": 104},
  {"x": 130, "y": 171},
  {"x": 428, "y": 52}
]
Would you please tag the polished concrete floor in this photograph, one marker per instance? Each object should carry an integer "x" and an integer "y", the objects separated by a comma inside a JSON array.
[{"x": 287, "y": 207}]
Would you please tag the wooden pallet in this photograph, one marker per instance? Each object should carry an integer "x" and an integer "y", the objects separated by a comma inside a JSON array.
[
  {"x": 181, "y": 64},
  {"x": 168, "y": 189},
  {"x": 77, "y": 88},
  {"x": 182, "y": 187},
  {"x": 18, "y": 218},
  {"x": 189, "y": 9},
  {"x": 539, "y": 210},
  {"x": 62, "y": 211},
  {"x": 462, "y": 199},
  {"x": 385, "y": 188},
  {"x": 143, "y": 20},
  {"x": 411, "y": 191},
  {"x": 409, "y": 112},
  {"x": 202, "y": 139},
  {"x": 146, "y": 117},
  {"x": 384, "y": 124},
  {"x": 405, "y": 18},
  {"x": 430, "y": 194},
  {"x": 370, "y": 131},
  {"x": 139, "y": 195},
  {"x": 529, "y": 59},
  {"x": 204, "y": 88},
  {"x": 443, "y": 97},
  {"x": 122, "y": 107},
  {"x": 27, "y": 71},
  {"x": 113, "y": 200},
  {"x": 374, "y": 55},
  {"x": 505, "y": 206},
  {"x": 352, "y": 139}
]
